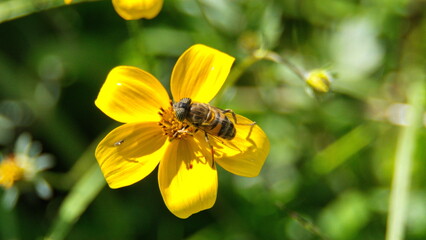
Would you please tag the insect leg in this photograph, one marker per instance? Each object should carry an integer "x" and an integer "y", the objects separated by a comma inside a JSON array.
[
  {"x": 235, "y": 117},
  {"x": 183, "y": 130},
  {"x": 211, "y": 147}
]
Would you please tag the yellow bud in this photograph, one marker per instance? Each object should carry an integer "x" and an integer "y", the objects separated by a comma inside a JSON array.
[
  {"x": 319, "y": 80},
  {"x": 137, "y": 9}
]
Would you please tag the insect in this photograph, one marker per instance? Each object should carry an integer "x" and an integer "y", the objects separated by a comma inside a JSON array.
[
  {"x": 211, "y": 120},
  {"x": 116, "y": 144}
]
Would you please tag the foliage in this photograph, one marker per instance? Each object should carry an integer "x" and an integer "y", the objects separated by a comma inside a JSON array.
[{"x": 330, "y": 173}]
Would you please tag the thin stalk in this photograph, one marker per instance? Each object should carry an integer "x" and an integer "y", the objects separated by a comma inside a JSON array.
[
  {"x": 273, "y": 56},
  {"x": 235, "y": 74},
  {"x": 13, "y": 9},
  {"x": 257, "y": 55},
  {"x": 342, "y": 149},
  {"x": 77, "y": 201},
  {"x": 204, "y": 14},
  {"x": 238, "y": 70},
  {"x": 136, "y": 35},
  {"x": 402, "y": 170}
]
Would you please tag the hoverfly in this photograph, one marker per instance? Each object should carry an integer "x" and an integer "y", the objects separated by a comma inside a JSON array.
[{"x": 211, "y": 120}]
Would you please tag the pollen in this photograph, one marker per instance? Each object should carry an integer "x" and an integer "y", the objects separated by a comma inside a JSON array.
[
  {"x": 10, "y": 172},
  {"x": 172, "y": 127}
]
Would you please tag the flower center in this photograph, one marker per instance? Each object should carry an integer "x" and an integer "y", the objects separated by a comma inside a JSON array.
[
  {"x": 10, "y": 172},
  {"x": 172, "y": 127}
]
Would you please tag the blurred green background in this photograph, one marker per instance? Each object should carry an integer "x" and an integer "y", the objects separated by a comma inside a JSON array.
[{"x": 331, "y": 165}]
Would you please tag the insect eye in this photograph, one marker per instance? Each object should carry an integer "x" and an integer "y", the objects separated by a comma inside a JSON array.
[
  {"x": 180, "y": 113},
  {"x": 181, "y": 108}
]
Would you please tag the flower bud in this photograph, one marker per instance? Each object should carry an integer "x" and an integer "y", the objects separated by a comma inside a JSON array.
[
  {"x": 137, "y": 9},
  {"x": 319, "y": 80}
]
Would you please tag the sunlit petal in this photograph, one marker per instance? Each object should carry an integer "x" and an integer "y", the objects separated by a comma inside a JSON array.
[
  {"x": 245, "y": 154},
  {"x": 130, "y": 152},
  {"x": 188, "y": 182},
  {"x": 130, "y": 94},
  {"x": 137, "y": 9},
  {"x": 199, "y": 73},
  {"x": 67, "y": 1}
]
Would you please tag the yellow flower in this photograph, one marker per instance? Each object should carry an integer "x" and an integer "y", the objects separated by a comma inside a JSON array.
[
  {"x": 10, "y": 172},
  {"x": 187, "y": 176},
  {"x": 135, "y": 9},
  {"x": 24, "y": 165}
]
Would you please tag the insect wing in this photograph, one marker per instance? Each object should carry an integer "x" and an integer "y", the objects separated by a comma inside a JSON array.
[{"x": 228, "y": 143}]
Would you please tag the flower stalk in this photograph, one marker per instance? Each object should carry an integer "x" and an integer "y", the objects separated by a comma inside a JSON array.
[
  {"x": 77, "y": 201},
  {"x": 407, "y": 141}
]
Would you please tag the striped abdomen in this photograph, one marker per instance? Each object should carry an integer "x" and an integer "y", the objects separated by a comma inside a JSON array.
[{"x": 212, "y": 120}]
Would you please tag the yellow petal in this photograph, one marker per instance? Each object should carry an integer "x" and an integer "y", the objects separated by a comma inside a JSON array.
[
  {"x": 130, "y": 94},
  {"x": 245, "y": 154},
  {"x": 68, "y": 1},
  {"x": 200, "y": 73},
  {"x": 137, "y": 9},
  {"x": 130, "y": 152},
  {"x": 187, "y": 181}
]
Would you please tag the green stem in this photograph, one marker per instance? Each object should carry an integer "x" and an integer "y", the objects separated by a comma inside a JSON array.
[
  {"x": 204, "y": 14},
  {"x": 307, "y": 225},
  {"x": 77, "y": 201},
  {"x": 235, "y": 74},
  {"x": 136, "y": 35},
  {"x": 13, "y": 9},
  {"x": 272, "y": 56},
  {"x": 240, "y": 69},
  {"x": 342, "y": 149},
  {"x": 402, "y": 170},
  {"x": 257, "y": 55}
]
